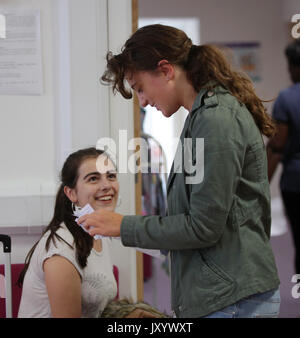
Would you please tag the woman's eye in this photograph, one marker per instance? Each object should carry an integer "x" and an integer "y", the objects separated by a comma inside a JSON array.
[
  {"x": 112, "y": 176},
  {"x": 93, "y": 179}
]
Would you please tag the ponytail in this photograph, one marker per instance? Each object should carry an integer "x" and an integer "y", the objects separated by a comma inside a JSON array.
[{"x": 206, "y": 64}]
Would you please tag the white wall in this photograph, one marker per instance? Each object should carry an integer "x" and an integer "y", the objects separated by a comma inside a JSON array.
[
  {"x": 26, "y": 136},
  {"x": 74, "y": 111}
]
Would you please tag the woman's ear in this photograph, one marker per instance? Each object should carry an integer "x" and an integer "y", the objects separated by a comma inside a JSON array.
[
  {"x": 71, "y": 194},
  {"x": 167, "y": 69}
]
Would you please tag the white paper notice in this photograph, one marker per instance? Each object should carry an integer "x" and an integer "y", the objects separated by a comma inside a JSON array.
[{"x": 20, "y": 53}]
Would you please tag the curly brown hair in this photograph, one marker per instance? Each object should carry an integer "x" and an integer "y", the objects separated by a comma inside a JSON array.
[{"x": 205, "y": 66}]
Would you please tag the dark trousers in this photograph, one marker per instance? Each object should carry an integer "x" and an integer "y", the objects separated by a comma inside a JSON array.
[{"x": 291, "y": 201}]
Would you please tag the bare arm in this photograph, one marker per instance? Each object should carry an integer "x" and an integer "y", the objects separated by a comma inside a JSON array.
[
  {"x": 63, "y": 286},
  {"x": 275, "y": 148}
]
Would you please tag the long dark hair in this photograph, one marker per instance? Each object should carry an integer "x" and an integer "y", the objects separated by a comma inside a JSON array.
[
  {"x": 63, "y": 212},
  {"x": 203, "y": 64}
]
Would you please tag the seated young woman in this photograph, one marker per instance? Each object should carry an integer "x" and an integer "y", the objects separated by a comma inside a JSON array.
[{"x": 67, "y": 272}]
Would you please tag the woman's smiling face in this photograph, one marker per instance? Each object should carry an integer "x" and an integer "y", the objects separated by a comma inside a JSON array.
[{"x": 97, "y": 184}]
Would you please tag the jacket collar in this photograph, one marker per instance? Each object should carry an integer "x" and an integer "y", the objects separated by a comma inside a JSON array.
[
  {"x": 211, "y": 85},
  {"x": 198, "y": 101}
]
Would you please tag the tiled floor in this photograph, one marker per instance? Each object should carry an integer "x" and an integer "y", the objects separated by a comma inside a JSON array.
[{"x": 157, "y": 289}]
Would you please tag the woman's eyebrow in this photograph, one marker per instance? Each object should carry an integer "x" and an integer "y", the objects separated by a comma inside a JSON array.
[
  {"x": 111, "y": 171},
  {"x": 98, "y": 174}
]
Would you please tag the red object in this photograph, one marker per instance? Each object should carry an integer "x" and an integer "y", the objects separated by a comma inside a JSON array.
[
  {"x": 116, "y": 274},
  {"x": 17, "y": 291},
  {"x": 147, "y": 261}
]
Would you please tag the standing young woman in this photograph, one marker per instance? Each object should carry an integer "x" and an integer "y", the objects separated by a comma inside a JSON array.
[{"x": 217, "y": 229}]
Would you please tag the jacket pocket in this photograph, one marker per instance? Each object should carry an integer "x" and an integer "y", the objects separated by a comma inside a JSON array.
[{"x": 214, "y": 271}]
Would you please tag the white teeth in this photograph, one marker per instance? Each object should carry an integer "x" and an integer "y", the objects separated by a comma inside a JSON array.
[{"x": 105, "y": 198}]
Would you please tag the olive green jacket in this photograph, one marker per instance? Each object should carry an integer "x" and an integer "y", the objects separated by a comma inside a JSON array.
[{"x": 218, "y": 223}]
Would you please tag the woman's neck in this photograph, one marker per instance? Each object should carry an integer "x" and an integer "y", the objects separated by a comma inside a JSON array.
[{"x": 186, "y": 91}]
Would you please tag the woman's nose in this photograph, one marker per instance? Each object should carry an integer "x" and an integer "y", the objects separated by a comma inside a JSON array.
[{"x": 105, "y": 184}]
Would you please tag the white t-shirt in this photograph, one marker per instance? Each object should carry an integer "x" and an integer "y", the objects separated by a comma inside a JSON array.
[{"x": 98, "y": 282}]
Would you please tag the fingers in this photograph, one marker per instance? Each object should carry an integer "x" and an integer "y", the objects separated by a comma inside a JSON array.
[
  {"x": 94, "y": 224},
  {"x": 90, "y": 222},
  {"x": 104, "y": 223},
  {"x": 94, "y": 232},
  {"x": 82, "y": 219}
]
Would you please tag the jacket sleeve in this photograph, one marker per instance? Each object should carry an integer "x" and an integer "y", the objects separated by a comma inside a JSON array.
[{"x": 210, "y": 200}]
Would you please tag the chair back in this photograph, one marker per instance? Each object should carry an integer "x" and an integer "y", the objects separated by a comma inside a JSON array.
[{"x": 17, "y": 291}]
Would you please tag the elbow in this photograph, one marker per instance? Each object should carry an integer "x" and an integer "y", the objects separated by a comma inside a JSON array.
[{"x": 207, "y": 233}]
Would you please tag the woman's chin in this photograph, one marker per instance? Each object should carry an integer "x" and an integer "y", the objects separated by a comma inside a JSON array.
[{"x": 97, "y": 207}]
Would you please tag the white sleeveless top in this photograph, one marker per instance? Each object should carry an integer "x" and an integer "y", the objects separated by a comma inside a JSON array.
[{"x": 98, "y": 283}]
